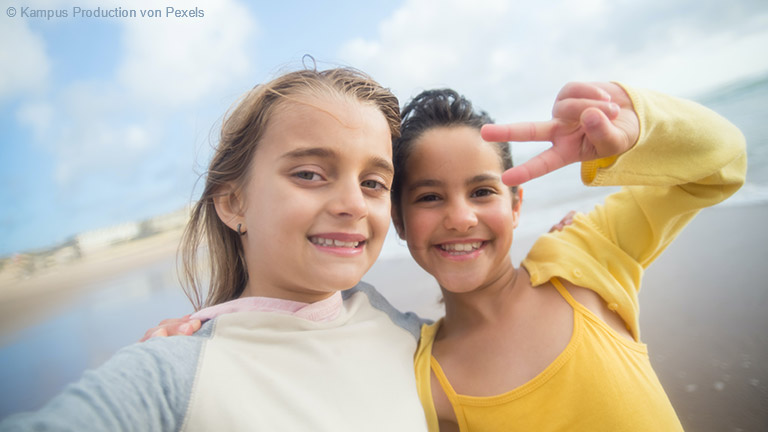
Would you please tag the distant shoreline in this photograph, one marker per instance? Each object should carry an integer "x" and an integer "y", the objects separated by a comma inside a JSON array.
[{"x": 25, "y": 299}]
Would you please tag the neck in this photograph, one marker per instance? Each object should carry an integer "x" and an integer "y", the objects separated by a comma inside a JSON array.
[
  {"x": 467, "y": 311},
  {"x": 296, "y": 294}
]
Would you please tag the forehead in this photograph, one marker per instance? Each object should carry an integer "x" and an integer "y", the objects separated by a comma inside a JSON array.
[
  {"x": 323, "y": 107},
  {"x": 450, "y": 151},
  {"x": 336, "y": 121}
]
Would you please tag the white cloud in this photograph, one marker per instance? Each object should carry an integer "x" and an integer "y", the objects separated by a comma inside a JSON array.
[
  {"x": 168, "y": 71},
  {"x": 694, "y": 64},
  {"x": 171, "y": 61},
  {"x": 26, "y": 66},
  {"x": 166, "y": 89},
  {"x": 512, "y": 57},
  {"x": 38, "y": 116},
  {"x": 85, "y": 130},
  {"x": 426, "y": 42}
]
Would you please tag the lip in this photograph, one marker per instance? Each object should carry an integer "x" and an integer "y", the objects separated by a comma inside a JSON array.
[
  {"x": 340, "y": 250},
  {"x": 461, "y": 256},
  {"x": 345, "y": 237}
]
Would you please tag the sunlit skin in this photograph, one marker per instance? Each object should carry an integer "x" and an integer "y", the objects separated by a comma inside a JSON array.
[
  {"x": 453, "y": 195},
  {"x": 499, "y": 332},
  {"x": 316, "y": 204}
]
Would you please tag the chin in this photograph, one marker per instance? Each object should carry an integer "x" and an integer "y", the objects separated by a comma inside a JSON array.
[
  {"x": 458, "y": 285},
  {"x": 335, "y": 282},
  {"x": 458, "y": 291}
]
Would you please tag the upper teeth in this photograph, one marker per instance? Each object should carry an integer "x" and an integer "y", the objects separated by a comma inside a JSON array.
[
  {"x": 330, "y": 242},
  {"x": 461, "y": 247}
]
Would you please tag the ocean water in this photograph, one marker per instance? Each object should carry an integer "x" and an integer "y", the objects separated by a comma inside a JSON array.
[
  {"x": 83, "y": 332},
  {"x": 39, "y": 360},
  {"x": 746, "y": 105}
]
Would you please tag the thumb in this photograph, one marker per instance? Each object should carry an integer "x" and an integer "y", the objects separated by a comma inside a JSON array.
[{"x": 606, "y": 138}]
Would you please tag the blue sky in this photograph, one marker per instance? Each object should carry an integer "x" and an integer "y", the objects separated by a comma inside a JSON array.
[{"x": 108, "y": 120}]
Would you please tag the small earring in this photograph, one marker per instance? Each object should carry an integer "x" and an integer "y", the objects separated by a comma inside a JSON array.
[{"x": 242, "y": 233}]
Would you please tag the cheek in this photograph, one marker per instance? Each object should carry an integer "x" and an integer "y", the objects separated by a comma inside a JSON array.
[
  {"x": 379, "y": 212},
  {"x": 270, "y": 207},
  {"x": 500, "y": 219},
  {"x": 418, "y": 224}
]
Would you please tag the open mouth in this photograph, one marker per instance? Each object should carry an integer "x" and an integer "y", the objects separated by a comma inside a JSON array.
[
  {"x": 461, "y": 248},
  {"x": 335, "y": 243}
]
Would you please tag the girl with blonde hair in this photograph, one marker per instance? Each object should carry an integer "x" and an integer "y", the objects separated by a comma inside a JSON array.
[{"x": 295, "y": 210}]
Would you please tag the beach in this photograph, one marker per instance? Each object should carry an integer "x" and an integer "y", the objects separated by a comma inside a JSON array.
[
  {"x": 26, "y": 300},
  {"x": 702, "y": 313}
]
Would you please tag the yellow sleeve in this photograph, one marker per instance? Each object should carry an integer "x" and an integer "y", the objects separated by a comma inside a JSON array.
[{"x": 686, "y": 158}]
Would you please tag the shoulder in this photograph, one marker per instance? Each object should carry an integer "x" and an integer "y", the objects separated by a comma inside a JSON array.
[
  {"x": 592, "y": 301},
  {"x": 160, "y": 369},
  {"x": 406, "y": 320},
  {"x": 167, "y": 351}
]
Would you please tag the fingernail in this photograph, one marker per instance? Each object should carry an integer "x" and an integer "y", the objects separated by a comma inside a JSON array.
[
  {"x": 156, "y": 333},
  {"x": 185, "y": 328},
  {"x": 615, "y": 109}
]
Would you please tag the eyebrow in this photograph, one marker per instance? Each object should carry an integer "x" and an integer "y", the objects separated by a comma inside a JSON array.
[
  {"x": 324, "y": 153},
  {"x": 310, "y": 152},
  {"x": 480, "y": 178},
  {"x": 383, "y": 164}
]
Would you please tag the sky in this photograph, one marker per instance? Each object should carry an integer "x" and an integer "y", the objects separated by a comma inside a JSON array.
[{"x": 111, "y": 120}]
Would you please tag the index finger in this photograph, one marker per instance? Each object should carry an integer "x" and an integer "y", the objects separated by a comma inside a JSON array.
[
  {"x": 539, "y": 165},
  {"x": 523, "y": 131}
]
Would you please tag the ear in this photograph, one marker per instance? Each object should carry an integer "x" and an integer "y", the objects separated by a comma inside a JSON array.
[
  {"x": 229, "y": 207},
  {"x": 397, "y": 221},
  {"x": 517, "y": 203}
]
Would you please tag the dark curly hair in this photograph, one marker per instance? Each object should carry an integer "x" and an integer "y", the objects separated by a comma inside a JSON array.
[{"x": 431, "y": 109}]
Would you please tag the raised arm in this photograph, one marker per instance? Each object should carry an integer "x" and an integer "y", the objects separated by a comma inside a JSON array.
[
  {"x": 686, "y": 158},
  {"x": 589, "y": 121}
]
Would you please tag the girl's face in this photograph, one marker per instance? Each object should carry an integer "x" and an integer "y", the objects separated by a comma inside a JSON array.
[
  {"x": 317, "y": 202},
  {"x": 457, "y": 215}
]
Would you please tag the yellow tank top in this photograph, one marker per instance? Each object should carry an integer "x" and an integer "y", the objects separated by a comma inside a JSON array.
[{"x": 600, "y": 382}]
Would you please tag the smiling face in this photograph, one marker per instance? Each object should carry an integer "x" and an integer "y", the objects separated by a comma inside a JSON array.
[
  {"x": 316, "y": 201},
  {"x": 457, "y": 215}
]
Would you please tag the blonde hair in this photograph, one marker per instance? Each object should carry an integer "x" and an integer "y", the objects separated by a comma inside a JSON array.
[{"x": 241, "y": 132}]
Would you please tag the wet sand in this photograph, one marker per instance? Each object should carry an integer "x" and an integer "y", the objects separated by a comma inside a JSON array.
[
  {"x": 703, "y": 309},
  {"x": 703, "y": 315}
]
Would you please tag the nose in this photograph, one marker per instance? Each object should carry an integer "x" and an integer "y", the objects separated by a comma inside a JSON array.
[
  {"x": 460, "y": 216},
  {"x": 349, "y": 200}
]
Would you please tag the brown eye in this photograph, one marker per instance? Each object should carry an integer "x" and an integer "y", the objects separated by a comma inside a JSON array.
[
  {"x": 483, "y": 192},
  {"x": 427, "y": 198}
]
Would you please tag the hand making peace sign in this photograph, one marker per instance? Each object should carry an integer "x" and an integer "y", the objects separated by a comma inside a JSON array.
[{"x": 589, "y": 121}]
